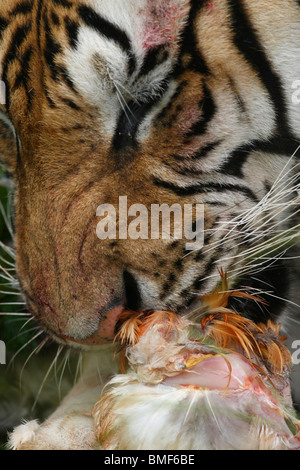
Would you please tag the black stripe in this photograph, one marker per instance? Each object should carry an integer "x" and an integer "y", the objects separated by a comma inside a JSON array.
[
  {"x": 66, "y": 77},
  {"x": 22, "y": 8},
  {"x": 163, "y": 113},
  {"x": 247, "y": 42},
  {"x": 70, "y": 103},
  {"x": 209, "y": 267},
  {"x": 109, "y": 30},
  {"x": 52, "y": 48},
  {"x": 200, "y": 281},
  {"x": 189, "y": 43},
  {"x": 3, "y": 25},
  {"x": 234, "y": 165},
  {"x": 276, "y": 279},
  {"x": 155, "y": 56},
  {"x": 206, "y": 188},
  {"x": 167, "y": 286},
  {"x": 278, "y": 145},
  {"x": 132, "y": 292},
  {"x": 128, "y": 123},
  {"x": 183, "y": 161},
  {"x": 104, "y": 27},
  {"x": 49, "y": 99},
  {"x": 130, "y": 120},
  {"x": 18, "y": 38},
  {"x": 38, "y": 22},
  {"x": 55, "y": 19},
  {"x": 208, "y": 108},
  {"x": 208, "y": 235},
  {"x": 72, "y": 29},
  {"x": 62, "y": 3},
  {"x": 202, "y": 153},
  {"x": 23, "y": 77},
  {"x": 183, "y": 169}
]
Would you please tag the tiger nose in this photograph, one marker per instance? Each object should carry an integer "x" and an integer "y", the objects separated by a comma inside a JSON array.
[{"x": 110, "y": 316}]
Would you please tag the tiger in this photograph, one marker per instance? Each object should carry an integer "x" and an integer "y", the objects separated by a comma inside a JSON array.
[{"x": 164, "y": 102}]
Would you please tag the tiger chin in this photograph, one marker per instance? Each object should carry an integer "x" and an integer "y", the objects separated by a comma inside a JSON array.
[{"x": 166, "y": 102}]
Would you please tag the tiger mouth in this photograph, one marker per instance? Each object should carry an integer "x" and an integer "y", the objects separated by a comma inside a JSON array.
[{"x": 105, "y": 332}]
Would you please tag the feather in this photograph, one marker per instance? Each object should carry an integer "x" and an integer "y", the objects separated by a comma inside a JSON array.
[
  {"x": 277, "y": 357},
  {"x": 219, "y": 296},
  {"x": 213, "y": 378}
]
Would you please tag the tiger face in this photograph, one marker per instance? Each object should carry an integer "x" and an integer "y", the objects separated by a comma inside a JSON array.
[{"x": 162, "y": 102}]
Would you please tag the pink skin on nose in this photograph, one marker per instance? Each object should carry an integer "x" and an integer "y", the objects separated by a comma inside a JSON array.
[{"x": 106, "y": 331}]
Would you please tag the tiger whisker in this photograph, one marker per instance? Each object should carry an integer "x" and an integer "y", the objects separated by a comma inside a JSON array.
[
  {"x": 270, "y": 241},
  {"x": 134, "y": 98},
  {"x": 24, "y": 346},
  {"x": 64, "y": 364},
  {"x": 258, "y": 230},
  {"x": 253, "y": 268},
  {"x": 13, "y": 266},
  {"x": 78, "y": 368},
  {"x": 37, "y": 349},
  {"x": 123, "y": 103},
  {"x": 12, "y": 303},
  {"x": 8, "y": 250},
  {"x": 56, "y": 369},
  {"x": 5, "y": 218},
  {"x": 9, "y": 293},
  {"x": 26, "y": 323},
  {"x": 60, "y": 348},
  {"x": 22, "y": 333},
  {"x": 267, "y": 247}
]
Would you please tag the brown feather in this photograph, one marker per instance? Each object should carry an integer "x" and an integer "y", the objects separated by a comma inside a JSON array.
[
  {"x": 227, "y": 329},
  {"x": 272, "y": 346}
]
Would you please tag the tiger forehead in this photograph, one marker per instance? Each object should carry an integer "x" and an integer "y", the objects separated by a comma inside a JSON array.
[
  {"x": 121, "y": 42},
  {"x": 148, "y": 23}
]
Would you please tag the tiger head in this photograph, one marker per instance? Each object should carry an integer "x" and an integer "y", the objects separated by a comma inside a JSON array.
[{"x": 159, "y": 103}]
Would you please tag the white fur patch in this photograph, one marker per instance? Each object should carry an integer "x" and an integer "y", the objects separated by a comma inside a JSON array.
[
  {"x": 99, "y": 66},
  {"x": 23, "y": 434}
]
